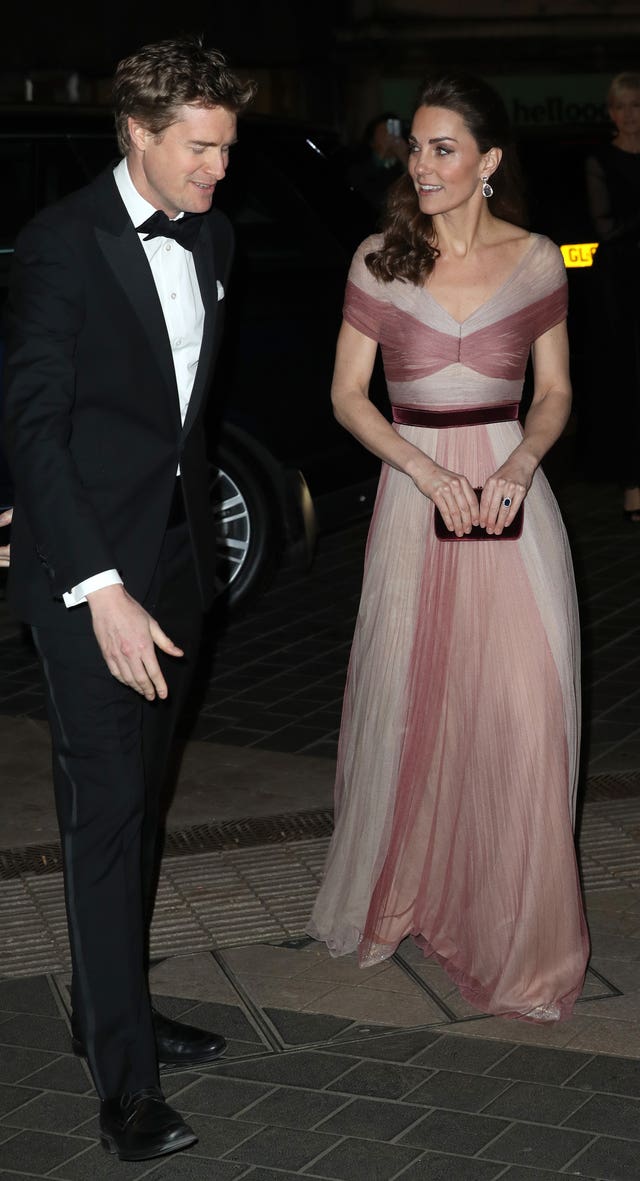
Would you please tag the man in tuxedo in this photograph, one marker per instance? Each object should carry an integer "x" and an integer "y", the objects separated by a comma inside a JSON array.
[{"x": 114, "y": 321}]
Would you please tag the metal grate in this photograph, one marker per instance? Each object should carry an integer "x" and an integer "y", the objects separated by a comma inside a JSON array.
[
  {"x": 615, "y": 785},
  {"x": 200, "y": 838},
  {"x": 264, "y": 830}
]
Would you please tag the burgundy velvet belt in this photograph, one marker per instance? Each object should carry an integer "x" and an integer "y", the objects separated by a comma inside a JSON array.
[{"x": 471, "y": 416}]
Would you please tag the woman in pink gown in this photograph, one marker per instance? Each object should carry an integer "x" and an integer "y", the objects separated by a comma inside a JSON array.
[{"x": 458, "y": 754}]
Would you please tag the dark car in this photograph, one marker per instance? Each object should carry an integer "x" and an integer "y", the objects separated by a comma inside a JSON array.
[{"x": 281, "y": 467}]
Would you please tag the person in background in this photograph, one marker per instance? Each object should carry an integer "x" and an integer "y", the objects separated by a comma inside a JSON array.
[
  {"x": 459, "y": 744},
  {"x": 5, "y": 550},
  {"x": 380, "y": 160},
  {"x": 613, "y": 191},
  {"x": 115, "y": 317}
]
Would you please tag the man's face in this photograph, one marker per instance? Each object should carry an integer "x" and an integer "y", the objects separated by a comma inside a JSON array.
[{"x": 178, "y": 170}]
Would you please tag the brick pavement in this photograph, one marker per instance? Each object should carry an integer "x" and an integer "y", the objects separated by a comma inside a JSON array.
[
  {"x": 323, "y": 1096},
  {"x": 334, "y": 1073}
]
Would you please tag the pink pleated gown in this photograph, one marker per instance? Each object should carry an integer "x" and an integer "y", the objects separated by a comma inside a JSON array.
[{"x": 458, "y": 753}]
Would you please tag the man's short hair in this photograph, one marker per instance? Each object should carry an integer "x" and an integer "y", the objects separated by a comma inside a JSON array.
[{"x": 152, "y": 84}]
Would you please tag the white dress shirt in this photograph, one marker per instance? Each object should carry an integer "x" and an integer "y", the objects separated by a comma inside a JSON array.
[{"x": 174, "y": 275}]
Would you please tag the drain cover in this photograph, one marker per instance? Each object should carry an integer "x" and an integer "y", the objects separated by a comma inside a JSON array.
[
  {"x": 200, "y": 838},
  {"x": 617, "y": 785},
  {"x": 264, "y": 830}
]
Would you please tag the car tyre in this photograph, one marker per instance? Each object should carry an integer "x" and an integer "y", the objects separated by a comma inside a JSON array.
[{"x": 248, "y": 534}]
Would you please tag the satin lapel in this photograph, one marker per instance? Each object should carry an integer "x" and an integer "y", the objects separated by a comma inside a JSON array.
[
  {"x": 203, "y": 258},
  {"x": 128, "y": 262}
]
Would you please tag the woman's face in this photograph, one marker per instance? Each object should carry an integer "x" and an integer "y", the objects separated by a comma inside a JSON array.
[
  {"x": 624, "y": 111},
  {"x": 445, "y": 163}
]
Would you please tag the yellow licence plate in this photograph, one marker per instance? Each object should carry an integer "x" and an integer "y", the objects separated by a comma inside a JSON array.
[{"x": 579, "y": 255}]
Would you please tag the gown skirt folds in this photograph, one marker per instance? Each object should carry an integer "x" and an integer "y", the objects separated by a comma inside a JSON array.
[{"x": 459, "y": 743}]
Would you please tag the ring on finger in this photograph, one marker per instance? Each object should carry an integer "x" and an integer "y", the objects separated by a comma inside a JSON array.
[{"x": 506, "y": 503}]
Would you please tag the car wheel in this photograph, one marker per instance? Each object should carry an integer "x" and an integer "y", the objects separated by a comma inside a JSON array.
[{"x": 247, "y": 532}]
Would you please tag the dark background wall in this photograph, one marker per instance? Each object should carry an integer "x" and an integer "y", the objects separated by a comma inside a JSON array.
[{"x": 336, "y": 63}]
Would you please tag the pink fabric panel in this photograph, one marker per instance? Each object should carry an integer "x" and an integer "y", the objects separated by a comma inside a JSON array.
[
  {"x": 502, "y": 349},
  {"x": 453, "y": 784},
  {"x": 412, "y": 349},
  {"x": 363, "y": 311},
  {"x": 546, "y": 313},
  {"x": 458, "y": 754},
  {"x": 480, "y": 840}
]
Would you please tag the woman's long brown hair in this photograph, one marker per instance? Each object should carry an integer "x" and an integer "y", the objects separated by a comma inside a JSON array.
[{"x": 409, "y": 248}]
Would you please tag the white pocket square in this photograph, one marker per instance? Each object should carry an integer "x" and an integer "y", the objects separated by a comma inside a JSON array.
[{"x": 220, "y": 289}]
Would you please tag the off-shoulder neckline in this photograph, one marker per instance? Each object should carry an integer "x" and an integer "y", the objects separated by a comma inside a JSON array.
[{"x": 537, "y": 238}]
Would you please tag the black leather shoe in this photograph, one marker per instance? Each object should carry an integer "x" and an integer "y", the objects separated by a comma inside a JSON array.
[
  {"x": 185, "y": 1045},
  {"x": 142, "y": 1125},
  {"x": 177, "y": 1044}
]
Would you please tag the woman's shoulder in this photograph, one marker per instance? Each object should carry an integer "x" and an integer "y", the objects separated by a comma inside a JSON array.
[
  {"x": 508, "y": 236},
  {"x": 613, "y": 163},
  {"x": 373, "y": 242},
  {"x": 359, "y": 272},
  {"x": 528, "y": 249},
  {"x": 543, "y": 272},
  {"x": 508, "y": 231},
  {"x": 546, "y": 247},
  {"x": 547, "y": 250}
]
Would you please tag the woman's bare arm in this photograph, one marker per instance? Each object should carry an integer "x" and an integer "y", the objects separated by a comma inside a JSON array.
[
  {"x": 450, "y": 491},
  {"x": 545, "y": 422}
]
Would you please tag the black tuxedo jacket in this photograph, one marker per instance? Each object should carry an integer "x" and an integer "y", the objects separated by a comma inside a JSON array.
[{"x": 92, "y": 417}]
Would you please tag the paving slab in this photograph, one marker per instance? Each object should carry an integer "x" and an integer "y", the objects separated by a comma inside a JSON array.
[{"x": 331, "y": 1071}]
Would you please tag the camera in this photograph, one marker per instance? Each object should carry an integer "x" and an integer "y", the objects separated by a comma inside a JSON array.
[{"x": 394, "y": 127}]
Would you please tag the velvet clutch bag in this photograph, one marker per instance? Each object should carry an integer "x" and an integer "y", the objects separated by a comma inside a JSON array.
[{"x": 511, "y": 533}]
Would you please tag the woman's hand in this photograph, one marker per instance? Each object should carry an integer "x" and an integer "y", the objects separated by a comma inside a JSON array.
[
  {"x": 504, "y": 492},
  {"x": 545, "y": 422},
  {"x": 450, "y": 492}
]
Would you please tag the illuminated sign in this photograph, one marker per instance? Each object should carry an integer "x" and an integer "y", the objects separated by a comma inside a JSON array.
[
  {"x": 579, "y": 255},
  {"x": 532, "y": 100}
]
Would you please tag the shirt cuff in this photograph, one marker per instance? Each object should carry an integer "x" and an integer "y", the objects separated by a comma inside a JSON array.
[{"x": 78, "y": 594}]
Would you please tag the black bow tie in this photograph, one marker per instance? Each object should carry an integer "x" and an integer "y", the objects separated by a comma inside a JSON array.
[{"x": 185, "y": 230}]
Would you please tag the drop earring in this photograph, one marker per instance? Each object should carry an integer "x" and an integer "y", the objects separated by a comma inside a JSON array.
[{"x": 487, "y": 190}]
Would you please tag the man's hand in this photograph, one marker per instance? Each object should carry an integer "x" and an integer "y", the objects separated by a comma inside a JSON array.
[
  {"x": 127, "y": 636},
  {"x": 5, "y": 550}
]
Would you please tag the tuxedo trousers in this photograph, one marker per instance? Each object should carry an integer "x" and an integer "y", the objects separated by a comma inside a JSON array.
[{"x": 111, "y": 748}]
